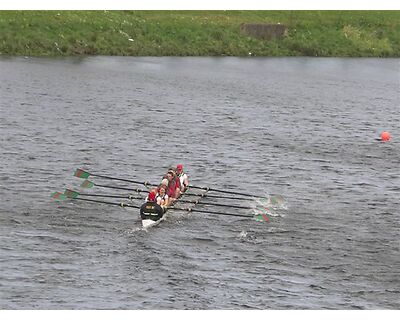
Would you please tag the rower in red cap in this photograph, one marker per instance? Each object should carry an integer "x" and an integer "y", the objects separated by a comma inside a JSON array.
[
  {"x": 182, "y": 177},
  {"x": 151, "y": 197},
  {"x": 150, "y": 209}
]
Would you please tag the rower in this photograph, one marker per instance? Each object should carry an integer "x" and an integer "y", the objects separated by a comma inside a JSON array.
[
  {"x": 178, "y": 186},
  {"x": 162, "y": 197},
  {"x": 173, "y": 190},
  {"x": 150, "y": 209},
  {"x": 183, "y": 178},
  {"x": 165, "y": 182},
  {"x": 151, "y": 194}
]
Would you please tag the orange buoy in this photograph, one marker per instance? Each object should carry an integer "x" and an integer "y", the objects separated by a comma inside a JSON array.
[{"x": 385, "y": 136}]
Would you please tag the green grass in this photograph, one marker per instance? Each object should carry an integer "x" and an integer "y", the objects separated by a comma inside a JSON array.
[{"x": 198, "y": 33}]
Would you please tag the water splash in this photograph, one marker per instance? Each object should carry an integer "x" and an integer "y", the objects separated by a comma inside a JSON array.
[{"x": 243, "y": 234}]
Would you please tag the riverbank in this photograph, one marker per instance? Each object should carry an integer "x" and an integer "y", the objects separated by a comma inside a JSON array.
[{"x": 199, "y": 33}]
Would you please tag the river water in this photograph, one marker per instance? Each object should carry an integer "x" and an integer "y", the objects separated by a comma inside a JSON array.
[{"x": 304, "y": 128}]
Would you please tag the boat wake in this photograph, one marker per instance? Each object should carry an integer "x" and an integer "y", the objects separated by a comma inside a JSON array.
[
  {"x": 244, "y": 236},
  {"x": 135, "y": 230}
]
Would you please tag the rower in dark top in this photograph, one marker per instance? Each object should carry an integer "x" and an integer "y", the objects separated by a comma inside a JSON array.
[{"x": 150, "y": 209}]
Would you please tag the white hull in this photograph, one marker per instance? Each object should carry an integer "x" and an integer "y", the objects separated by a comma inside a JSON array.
[{"x": 148, "y": 223}]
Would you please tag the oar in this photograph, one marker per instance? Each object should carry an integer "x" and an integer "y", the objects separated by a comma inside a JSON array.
[
  {"x": 84, "y": 175},
  {"x": 274, "y": 199},
  {"x": 215, "y": 204},
  {"x": 90, "y": 184},
  {"x": 74, "y": 195},
  {"x": 80, "y": 173},
  {"x": 259, "y": 217},
  {"x": 229, "y": 192},
  {"x": 117, "y": 196},
  {"x": 215, "y": 196}
]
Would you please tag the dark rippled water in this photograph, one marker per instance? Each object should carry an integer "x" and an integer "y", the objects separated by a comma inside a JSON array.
[{"x": 304, "y": 128}]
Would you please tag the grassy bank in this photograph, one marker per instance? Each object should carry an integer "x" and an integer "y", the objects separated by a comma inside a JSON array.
[{"x": 198, "y": 33}]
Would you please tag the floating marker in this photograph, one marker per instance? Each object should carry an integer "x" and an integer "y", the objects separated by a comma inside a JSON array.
[{"x": 385, "y": 136}]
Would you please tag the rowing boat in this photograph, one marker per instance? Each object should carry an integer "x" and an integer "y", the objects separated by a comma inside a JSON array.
[{"x": 152, "y": 214}]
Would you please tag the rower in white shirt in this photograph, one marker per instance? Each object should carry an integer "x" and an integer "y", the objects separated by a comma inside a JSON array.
[
  {"x": 162, "y": 197},
  {"x": 182, "y": 177}
]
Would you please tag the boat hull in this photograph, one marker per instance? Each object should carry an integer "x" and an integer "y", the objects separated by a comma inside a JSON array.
[{"x": 151, "y": 214}]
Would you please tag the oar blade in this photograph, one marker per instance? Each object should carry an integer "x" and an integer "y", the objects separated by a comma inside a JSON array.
[
  {"x": 276, "y": 200},
  {"x": 81, "y": 174},
  {"x": 58, "y": 196},
  {"x": 87, "y": 184},
  {"x": 71, "y": 194},
  {"x": 261, "y": 217}
]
